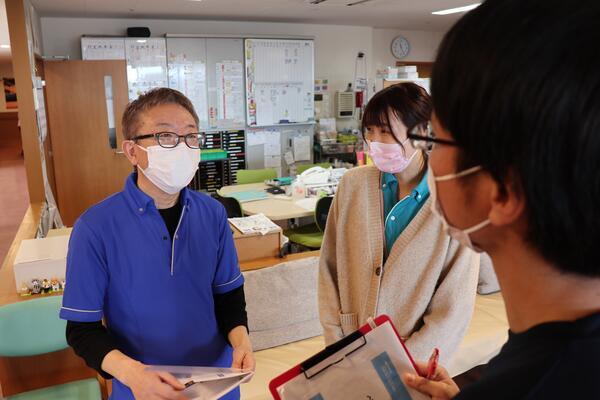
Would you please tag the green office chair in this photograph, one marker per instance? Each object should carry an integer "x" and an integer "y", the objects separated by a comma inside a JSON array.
[
  {"x": 32, "y": 327},
  {"x": 301, "y": 168},
  {"x": 231, "y": 204},
  {"x": 311, "y": 235},
  {"x": 255, "y": 175}
]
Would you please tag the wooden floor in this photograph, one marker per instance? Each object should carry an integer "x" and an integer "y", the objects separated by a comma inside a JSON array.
[{"x": 14, "y": 197}]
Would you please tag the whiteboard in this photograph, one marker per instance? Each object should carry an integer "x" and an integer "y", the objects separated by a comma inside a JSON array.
[
  {"x": 279, "y": 81},
  {"x": 94, "y": 48},
  {"x": 146, "y": 65},
  {"x": 186, "y": 65},
  {"x": 226, "y": 100}
]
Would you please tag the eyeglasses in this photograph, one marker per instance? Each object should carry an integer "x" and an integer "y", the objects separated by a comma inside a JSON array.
[
  {"x": 423, "y": 138},
  {"x": 171, "y": 139}
]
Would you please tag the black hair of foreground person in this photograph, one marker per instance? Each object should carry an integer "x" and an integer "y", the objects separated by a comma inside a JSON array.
[{"x": 533, "y": 113}]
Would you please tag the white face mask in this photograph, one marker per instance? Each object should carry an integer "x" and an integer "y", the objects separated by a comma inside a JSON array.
[
  {"x": 462, "y": 235},
  {"x": 171, "y": 169}
]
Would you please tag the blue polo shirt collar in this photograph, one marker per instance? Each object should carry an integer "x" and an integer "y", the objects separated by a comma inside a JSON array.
[{"x": 140, "y": 201}]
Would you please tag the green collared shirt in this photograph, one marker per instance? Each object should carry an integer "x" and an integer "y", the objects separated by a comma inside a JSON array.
[{"x": 398, "y": 214}]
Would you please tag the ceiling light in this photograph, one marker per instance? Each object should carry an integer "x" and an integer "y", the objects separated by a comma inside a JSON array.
[
  {"x": 457, "y": 9},
  {"x": 4, "y": 46},
  {"x": 141, "y": 40}
]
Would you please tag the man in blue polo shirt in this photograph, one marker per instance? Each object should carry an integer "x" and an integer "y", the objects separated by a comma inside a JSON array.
[{"x": 158, "y": 262}]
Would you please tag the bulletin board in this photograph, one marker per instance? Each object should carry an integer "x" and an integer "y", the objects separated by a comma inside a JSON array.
[
  {"x": 186, "y": 66},
  {"x": 279, "y": 81},
  {"x": 146, "y": 65}
]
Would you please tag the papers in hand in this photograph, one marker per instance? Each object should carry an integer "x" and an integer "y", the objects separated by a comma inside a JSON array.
[
  {"x": 257, "y": 223},
  {"x": 206, "y": 383}
]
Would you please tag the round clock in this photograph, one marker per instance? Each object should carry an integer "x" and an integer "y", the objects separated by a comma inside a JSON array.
[{"x": 400, "y": 47}]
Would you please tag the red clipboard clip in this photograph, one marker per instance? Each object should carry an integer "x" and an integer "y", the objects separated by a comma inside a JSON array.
[{"x": 356, "y": 339}]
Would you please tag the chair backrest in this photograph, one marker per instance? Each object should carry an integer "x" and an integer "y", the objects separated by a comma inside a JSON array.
[
  {"x": 322, "y": 211},
  {"x": 255, "y": 175},
  {"x": 301, "y": 168},
  {"x": 231, "y": 204},
  {"x": 32, "y": 327}
]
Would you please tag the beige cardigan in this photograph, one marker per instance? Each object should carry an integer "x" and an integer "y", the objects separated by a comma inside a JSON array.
[{"x": 427, "y": 285}]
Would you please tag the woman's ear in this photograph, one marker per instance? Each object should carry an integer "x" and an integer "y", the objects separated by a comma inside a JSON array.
[{"x": 508, "y": 202}]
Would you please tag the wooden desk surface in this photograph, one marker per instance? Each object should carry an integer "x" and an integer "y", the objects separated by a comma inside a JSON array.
[
  {"x": 275, "y": 208},
  {"x": 21, "y": 374},
  {"x": 270, "y": 261}
]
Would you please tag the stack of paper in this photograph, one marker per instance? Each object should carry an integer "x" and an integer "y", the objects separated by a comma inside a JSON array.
[
  {"x": 257, "y": 223},
  {"x": 206, "y": 383}
]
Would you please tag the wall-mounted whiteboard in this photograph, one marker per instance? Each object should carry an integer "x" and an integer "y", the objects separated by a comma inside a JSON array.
[
  {"x": 186, "y": 64},
  {"x": 279, "y": 81},
  {"x": 93, "y": 48},
  {"x": 146, "y": 65},
  {"x": 226, "y": 100}
]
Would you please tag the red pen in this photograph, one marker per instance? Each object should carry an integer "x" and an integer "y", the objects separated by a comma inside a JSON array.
[{"x": 433, "y": 363}]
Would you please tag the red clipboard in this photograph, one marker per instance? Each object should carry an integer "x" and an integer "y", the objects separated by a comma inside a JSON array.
[{"x": 330, "y": 350}]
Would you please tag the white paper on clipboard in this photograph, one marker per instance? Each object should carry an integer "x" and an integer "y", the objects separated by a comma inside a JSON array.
[
  {"x": 206, "y": 383},
  {"x": 369, "y": 367}
]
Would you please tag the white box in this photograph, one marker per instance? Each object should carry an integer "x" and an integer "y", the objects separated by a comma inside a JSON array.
[
  {"x": 408, "y": 75},
  {"x": 407, "y": 68},
  {"x": 41, "y": 258}
]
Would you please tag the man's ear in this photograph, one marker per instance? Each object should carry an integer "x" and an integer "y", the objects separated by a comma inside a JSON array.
[
  {"x": 130, "y": 151},
  {"x": 508, "y": 202}
]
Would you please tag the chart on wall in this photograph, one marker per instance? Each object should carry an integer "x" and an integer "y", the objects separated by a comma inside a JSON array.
[
  {"x": 146, "y": 65},
  {"x": 187, "y": 73},
  {"x": 279, "y": 81},
  {"x": 93, "y": 48},
  {"x": 225, "y": 61}
]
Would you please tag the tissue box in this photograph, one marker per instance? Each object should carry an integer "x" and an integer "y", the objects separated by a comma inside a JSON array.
[{"x": 41, "y": 259}]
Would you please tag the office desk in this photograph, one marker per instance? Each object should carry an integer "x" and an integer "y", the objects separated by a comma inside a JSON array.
[{"x": 275, "y": 208}]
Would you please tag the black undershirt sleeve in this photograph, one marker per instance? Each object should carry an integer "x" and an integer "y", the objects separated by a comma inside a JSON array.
[
  {"x": 92, "y": 342},
  {"x": 230, "y": 310}
]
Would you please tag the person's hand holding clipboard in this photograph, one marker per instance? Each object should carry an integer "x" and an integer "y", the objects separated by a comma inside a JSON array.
[{"x": 367, "y": 364}]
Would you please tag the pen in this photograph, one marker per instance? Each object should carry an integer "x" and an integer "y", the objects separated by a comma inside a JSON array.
[{"x": 432, "y": 364}]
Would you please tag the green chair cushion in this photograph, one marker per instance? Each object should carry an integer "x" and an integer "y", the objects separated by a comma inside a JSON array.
[
  {"x": 32, "y": 327},
  {"x": 87, "y": 389},
  {"x": 255, "y": 175},
  {"x": 307, "y": 235}
]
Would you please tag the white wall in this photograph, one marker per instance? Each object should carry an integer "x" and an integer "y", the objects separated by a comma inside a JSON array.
[
  {"x": 336, "y": 46},
  {"x": 423, "y": 46},
  {"x": 6, "y": 71}
]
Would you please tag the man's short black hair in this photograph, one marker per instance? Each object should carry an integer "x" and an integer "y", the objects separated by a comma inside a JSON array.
[{"x": 517, "y": 85}]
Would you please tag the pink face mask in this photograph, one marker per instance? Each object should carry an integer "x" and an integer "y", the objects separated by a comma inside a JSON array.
[{"x": 389, "y": 157}]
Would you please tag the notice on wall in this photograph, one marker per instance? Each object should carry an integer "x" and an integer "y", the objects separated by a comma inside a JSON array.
[
  {"x": 279, "y": 81},
  {"x": 189, "y": 77},
  {"x": 230, "y": 93},
  {"x": 301, "y": 146}
]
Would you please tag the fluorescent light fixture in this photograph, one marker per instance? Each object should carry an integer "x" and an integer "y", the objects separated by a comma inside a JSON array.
[
  {"x": 141, "y": 40},
  {"x": 457, "y": 9},
  {"x": 4, "y": 46}
]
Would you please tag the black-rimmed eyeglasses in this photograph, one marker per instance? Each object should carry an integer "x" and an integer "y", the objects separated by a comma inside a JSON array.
[
  {"x": 170, "y": 139},
  {"x": 423, "y": 138}
]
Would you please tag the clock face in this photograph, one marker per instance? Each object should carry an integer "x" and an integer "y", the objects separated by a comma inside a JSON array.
[{"x": 400, "y": 47}]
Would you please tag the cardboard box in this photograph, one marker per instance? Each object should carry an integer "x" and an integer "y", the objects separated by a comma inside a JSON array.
[
  {"x": 254, "y": 246},
  {"x": 42, "y": 259}
]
